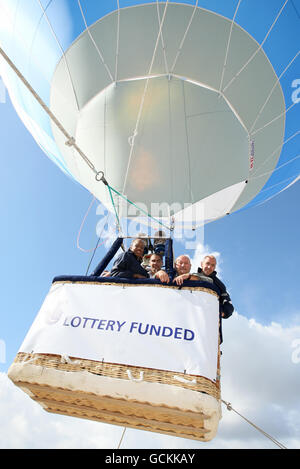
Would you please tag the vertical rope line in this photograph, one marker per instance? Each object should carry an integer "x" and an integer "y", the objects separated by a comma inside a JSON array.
[
  {"x": 118, "y": 40},
  {"x": 62, "y": 51},
  {"x": 143, "y": 98},
  {"x": 82, "y": 223},
  {"x": 228, "y": 44},
  {"x": 277, "y": 193},
  {"x": 184, "y": 36},
  {"x": 258, "y": 49},
  {"x": 104, "y": 133},
  {"x": 92, "y": 256},
  {"x": 275, "y": 118},
  {"x": 123, "y": 433},
  {"x": 12, "y": 44},
  {"x": 114, "y": 207},
  {"x": 70, "y": 140},
  {"x": 162, "y": 39},
  {"x": 272, "y": 90},
  {"x": 170, "y": 144},
  {"x": 97, "y": 243},
  {"x": 187, "y": 145},
  {"x": 95, "y": 44},
  {"x": 290, "y": 179},
  {"x": 276, "y": 169}
]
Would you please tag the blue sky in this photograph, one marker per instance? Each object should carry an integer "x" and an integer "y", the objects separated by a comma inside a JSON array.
[
  {"x": 258, "y": 259},
  {"x": 42, "y": 210}
]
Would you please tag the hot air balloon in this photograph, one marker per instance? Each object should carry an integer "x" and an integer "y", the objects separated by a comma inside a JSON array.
[{"x": 174, "y": 110}]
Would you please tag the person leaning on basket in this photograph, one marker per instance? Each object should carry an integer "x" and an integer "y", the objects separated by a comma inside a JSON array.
[
  {"x": 155, "y": 268},
  {"x": 206, "y": 273},
  {"x": 128, "y": 264},
  {"x": 182, "y": 268}
]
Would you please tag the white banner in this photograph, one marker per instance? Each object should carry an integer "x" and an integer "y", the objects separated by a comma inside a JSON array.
[{"x": 146, "y": 326}]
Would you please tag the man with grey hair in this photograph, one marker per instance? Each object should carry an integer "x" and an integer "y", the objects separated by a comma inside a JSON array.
[
  {"x": 205, "y": 273},
  {"x": 208, "y": 273},
  {"x": 182, "y": 267}
]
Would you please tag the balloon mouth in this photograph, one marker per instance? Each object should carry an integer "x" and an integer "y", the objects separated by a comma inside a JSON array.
[{"x": 161, "y": 168}]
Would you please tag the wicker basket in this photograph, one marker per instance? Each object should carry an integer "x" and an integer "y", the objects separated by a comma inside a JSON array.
[
  {"x": 154, "y": 400},
  {"x": 158, "y": 400}
]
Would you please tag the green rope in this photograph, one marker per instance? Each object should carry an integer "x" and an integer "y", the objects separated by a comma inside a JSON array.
[
  {"x": 113, "y": 203},
  {"x": 132, "y": 203}
]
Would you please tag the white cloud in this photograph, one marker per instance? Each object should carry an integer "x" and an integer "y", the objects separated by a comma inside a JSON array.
[
  {"x": 24, "y": 424},
  {"x": 201, "y": 251},
  {"x": 259, "y": 378}
]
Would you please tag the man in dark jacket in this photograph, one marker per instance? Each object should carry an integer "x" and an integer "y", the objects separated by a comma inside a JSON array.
[
  {"x": 207, "y": 271},
  {"x": 128, "y": 264}
]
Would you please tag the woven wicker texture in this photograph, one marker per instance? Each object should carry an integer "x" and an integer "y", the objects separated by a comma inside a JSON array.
[
  {"x": 195, "y": 383},
  {"x": 124, "y": 412}
]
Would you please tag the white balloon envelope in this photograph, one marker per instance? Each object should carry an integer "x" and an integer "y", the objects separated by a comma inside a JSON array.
[{"x": 178, "y": 105}]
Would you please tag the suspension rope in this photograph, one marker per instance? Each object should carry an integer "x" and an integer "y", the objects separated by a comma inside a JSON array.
[
  {"x": 62, "y": 51},
  {"x": 118, "y": 42},
  {"x": 96, "y": 247},
  {"x": 131, "y": 139},
  {"x": 92, "y": 257},
  {"x": 275, "y": 118},
  {"x": 297, "y": 178},
  {"x": 228, "y": 44},
  {"x": 184, "y": 36},
  {"x": 9, "y": 21},
  {"x": 99, "y": 175},
  {"x": 290, "y": 179},
  {"x": 258, "y": 49},
  {"x": 81, "y": 226},
  {"x": 272, "y": 90},
  {"x": 276, "y": 169},
  {"x": 229, "y": 407},
  {"x": 98, "y": 240},
  {"x": 122, "y": 436},
  {"x": 115, "y": 208},
  {"x": 94, "y": 43},
  {"x": 273, "y": 153},
  {"x": 70, "y": 140},
  {"x": 162, "y": 39},
  {"x": 187, "y": 145},
  {"x": 137, "y": 207}
]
